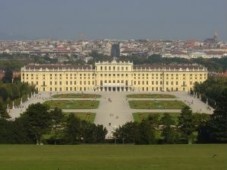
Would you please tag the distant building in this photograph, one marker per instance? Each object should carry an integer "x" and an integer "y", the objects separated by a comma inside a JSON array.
[
  {"x": 115, "y": 50},
  {"x": 113, "y": 76},
  {"x": 212, "y": 40}
]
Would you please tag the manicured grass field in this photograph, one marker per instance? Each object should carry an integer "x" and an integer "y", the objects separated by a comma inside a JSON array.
[
  {"x": 157, "y": 104},
  {"x": 89, "y": 117},
  {"x": 138, "y": 117},
  {"x": 150, "y": 96},
  {"x": 76, "y": 95},
  {"x": 113, "y": 157},
  {"x": 73, "y": 104}
]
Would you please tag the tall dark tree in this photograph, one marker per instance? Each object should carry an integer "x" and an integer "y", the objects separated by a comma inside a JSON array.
[
  {"x": 8, "y": 77},
  {"x": 185, "y": 123},
  {"x": 127, "y": 133},
  {"x": 3, "y": 111},
  {"x": 146, "y": 133},
  {"x": 57, "y": 122},
  {"x": 218, "y": 123},
  {"x": 200, "y": 119},
  {"x": 154, "y": 120},
  {"x": 88, "y": 133},
  {"x": 72, "y": 130},
  {"x": 101, "y": 133},
  {"x": 38, "y": 120},
  {"x": 169, "y": 132}
]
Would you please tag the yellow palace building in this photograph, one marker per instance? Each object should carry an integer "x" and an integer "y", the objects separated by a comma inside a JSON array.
[{"x": 113, "y": 76}]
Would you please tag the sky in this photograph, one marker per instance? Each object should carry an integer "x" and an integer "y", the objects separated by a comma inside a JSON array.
[{"x": 113, "y": 19}]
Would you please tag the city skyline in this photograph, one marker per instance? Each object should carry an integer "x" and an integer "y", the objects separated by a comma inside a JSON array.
[{"x": 74, "y": 20}]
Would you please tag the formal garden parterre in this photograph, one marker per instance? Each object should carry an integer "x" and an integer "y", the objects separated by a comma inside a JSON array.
[
  {"x": 87, "y": 116},
  {"x": 154, "y": 96},
  {"x": 73, "y": 104},
  {"x": 76, "y": 95},
  {"x": 156, "y": 104}
]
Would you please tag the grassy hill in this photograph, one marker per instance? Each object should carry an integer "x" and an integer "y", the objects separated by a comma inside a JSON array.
[{"x": 113, "y": 157}]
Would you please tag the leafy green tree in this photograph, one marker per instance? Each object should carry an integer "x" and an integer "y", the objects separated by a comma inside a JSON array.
[
  {"x": 8, "y": 77},
  {"x": 146, "y": 133},
  {"x": 169, "y": 133},
  {"x": 127, "y": 133},
  {"x": 72, "y": 130},
  {"x": 4, "y": 93},
  {"x": 22, "y": 135},
  {"x": 167, "y": 120},
  {"x": 88, "y": 134},
  {"x": 91, "y": 133},
  {"x": 211, "y": 89},
  {"x": 218, "y": 123},
  {"x": 154, "y": 120},
  {"x": 185, "y": 123},
  {"x": 57, "y": 122},
  {"x": 101, "y": 133},
  {"x": 3, "y": 112},
  {"x": 13, "y": 132},
  {"x": 6, "y": 132},
  {"x": 200, "y": 119},
  {"x": 38, "y": 120}
]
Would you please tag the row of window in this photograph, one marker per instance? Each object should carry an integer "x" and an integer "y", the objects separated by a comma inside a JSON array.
[
  {"x": 66, "y": 83},
  {"x": 135, "y": 75},
  {"x": 159, "y": 83},
  {"x": 56, "y": 75},
  {"x": 160, "y": 89},
  {"x": 67, "y": 89},
  {"x": 81, "y": 78},
  {"x": 113, "y": 68},
  {"x": 112, "y": 81},
  {"x": 87, "y": 88},
  {"x": 113, "y": 75}
]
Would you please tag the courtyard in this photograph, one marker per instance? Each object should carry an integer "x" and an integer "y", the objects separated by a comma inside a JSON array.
[{"x": 112, "y": 109}]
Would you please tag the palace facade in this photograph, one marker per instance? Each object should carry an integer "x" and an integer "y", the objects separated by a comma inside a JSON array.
[{"x": 113, "y": 76}]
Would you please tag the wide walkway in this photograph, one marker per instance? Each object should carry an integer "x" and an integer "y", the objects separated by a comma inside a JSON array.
[
  {"x": 37, "y": 98},
  {"x": 194, "y": 103},
  {"x": 114, "y": 109}
]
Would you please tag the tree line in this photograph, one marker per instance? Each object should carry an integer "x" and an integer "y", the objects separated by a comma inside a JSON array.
[
  {"x": 164, "y": 130},
  {"x": 213, "y": 64},
  {"x": 13, "y": 93},
  {"x": 15, "y": 62},
  {"x": 191, "y": 127},
  {"x": 210, "y": 90},
  {"x": 40, "y": 125},
  {"x": 214, "y": 91}
]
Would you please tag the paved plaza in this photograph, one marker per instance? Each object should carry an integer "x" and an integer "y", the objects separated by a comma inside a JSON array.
[{"x": 114, "y": 109}]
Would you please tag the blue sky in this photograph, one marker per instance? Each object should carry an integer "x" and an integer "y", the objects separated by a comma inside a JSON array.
[{"x": 115, "y": 19}]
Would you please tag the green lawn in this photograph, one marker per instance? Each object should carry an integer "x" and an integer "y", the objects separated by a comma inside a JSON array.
[
  {"x": 150, "y": 96},
  {"x": 87, "y": 116},
  {"x": 157, "y": 104},
  {"x": 73, "y": 104},
  {"x": 113, "y": 157},
  {"x": 138, "y": 117},
  {"x": 76, "y": 95}
]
